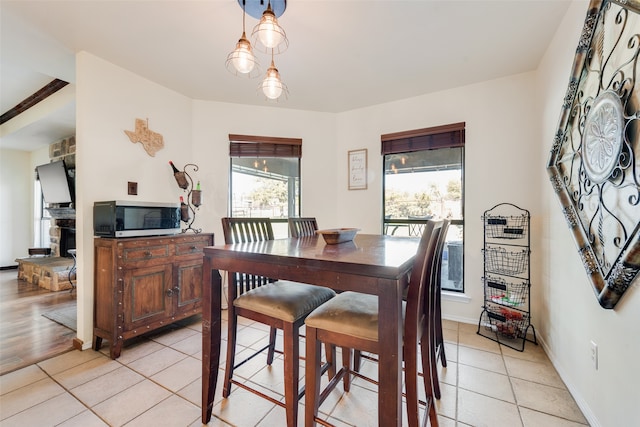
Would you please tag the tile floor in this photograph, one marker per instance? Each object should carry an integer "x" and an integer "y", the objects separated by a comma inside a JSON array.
[{"x": 156, "y": 381}]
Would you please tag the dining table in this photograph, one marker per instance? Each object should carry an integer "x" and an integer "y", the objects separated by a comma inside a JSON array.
[{"x": 370, "y": 263}]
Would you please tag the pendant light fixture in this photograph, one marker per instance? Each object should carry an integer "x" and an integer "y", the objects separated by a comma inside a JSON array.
[
  {"x": 272, "y": 85},
  {"x": 242, "y": 61},
  {"x": 268, "y": 35}
]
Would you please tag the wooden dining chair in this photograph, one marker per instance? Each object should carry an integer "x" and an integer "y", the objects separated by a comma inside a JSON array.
[
  {"x": 299, "y": 227},
  {"x": 279, "y": 304},
  {"x": 437, "y": 350},
  {"x": 349, "y": 320}
]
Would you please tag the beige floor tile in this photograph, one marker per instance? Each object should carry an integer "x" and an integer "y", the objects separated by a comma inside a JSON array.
[
  {"x": 174, "y": 335},
  {"x": 157, "y": 361},
  {"x": 550, "y": 400},
  {"x": 272, "y": 377},
  {"x": 248, "y": 337},
  {"x": 449, "y": 324},
  {"x": 191, "y": 345},
  {"x": 483, "y": 411},
  {"x": 448, "y": 375},
  {"x": 242, "y": 408},
  {"x": 173, "y": 411},
  {"x": 135, "y": 400},
  {"x": 139, "y": 349},
  {"x": 214, "y": 422},
  {"x": 451, "y": 351},
  {"x": 85, "y": 372},
  {"x": 446, "y": 422},
  {"x": 539, "y": 372},
  {"x": 446, "y": 405},
  {"x": 101, "y": 388},
  {"x": 29, "y": 396},
  {"x": 536, "y": 419},
  {"x": 47, "y": 413},
  {"x": 359, "y": 405},
  {"x": 481, "y": 359},
  {"x": 469, "y": 328},
  {"x": 472, "y": 339},
  {"x": 485, "y": 382},
  {"x": 68, "y": 360},
  {"x": 20, "y": 378},
  {"x": 278, "y": 417},
  {"x": 475, "y": 386},
  {"x": 83, "y": 419},
  {"x": 179, "y": 374},
  {"x": 193, "y": 391},
  {"x": 450, "y": 336},
  {"x": 531, "y": 352}
]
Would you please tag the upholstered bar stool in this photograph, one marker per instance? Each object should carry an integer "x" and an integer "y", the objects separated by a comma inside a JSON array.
[
  {"x": 350, "y": 320},
  {"x": 279, "y": 304}
]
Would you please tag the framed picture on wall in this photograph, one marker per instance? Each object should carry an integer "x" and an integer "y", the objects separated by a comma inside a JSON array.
[{"x": 358, "y": 169}]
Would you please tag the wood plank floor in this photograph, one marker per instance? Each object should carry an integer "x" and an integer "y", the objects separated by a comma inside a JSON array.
[{"x": 27, "y": 337}]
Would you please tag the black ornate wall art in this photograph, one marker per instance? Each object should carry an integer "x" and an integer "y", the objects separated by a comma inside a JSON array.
[{"x": 594, "y": 162}]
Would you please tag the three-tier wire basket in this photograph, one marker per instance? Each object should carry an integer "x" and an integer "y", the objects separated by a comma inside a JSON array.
[{"x": 506, "y": 311}]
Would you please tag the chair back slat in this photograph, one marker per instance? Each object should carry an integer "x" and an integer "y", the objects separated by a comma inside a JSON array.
[
  {"x": 299, "y": 227},
  {"x": 424, "y": 276},
  {"x": 246, "y": 230}
]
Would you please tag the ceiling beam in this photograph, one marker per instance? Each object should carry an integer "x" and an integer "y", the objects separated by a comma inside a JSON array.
[{"x": 46, "y": 91}]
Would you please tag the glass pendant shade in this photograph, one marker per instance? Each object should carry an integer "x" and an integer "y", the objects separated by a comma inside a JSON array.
[
  {"x": 242, "y": 60},
  {"x": 272, "y": 85},
  {"x": 268, "y": 35}
]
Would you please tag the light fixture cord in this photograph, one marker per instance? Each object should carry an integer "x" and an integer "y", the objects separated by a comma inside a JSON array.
[{"x": 244, "y": 13}]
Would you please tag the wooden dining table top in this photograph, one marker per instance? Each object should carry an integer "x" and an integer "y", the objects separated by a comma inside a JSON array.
[{"x": 373, "y": 264}]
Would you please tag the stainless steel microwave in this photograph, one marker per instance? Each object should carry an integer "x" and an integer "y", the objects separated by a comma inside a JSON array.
[{"x": 118, "y": 218}]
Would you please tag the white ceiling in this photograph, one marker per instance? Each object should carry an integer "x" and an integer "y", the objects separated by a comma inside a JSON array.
[{"x": 342, "y": 54}]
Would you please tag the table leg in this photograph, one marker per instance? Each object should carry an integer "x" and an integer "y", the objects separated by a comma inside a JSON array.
[
  {"x": 211, "y": 325},
  {"x": 390, "y": 365}
]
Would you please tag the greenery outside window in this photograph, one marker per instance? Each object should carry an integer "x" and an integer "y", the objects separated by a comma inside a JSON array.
[
  {"x": 423, "y": 179},
  {"x": 265, "y": 179}
]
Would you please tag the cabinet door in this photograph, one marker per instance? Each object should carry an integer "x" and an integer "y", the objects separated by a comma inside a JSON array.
[
  {"x": 189, "y": 280},
  {"x": 148, "y": 295}
]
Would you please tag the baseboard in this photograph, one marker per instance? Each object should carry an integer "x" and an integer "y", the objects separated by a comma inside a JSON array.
[
  {"x": 9, "y": 267},
  {"x": 77, "y": 343}
]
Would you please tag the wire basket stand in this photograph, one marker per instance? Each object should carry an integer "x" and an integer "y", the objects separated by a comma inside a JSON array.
[{"x": 506, "y": 311}]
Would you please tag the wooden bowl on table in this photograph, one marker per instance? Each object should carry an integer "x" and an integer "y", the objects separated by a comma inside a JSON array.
[{"x": 338, "y": 235}]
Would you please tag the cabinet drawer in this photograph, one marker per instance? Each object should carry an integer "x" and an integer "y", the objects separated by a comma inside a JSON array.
[
  {"x": 145, "y": 253},
  {"x": 192, "y": 245}
]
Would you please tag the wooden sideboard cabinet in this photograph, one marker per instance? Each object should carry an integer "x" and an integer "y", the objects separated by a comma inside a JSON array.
[{"x": 144, "y": 283}]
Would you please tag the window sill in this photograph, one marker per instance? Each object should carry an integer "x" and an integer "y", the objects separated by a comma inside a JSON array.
[{"x": 455, "y": 297}]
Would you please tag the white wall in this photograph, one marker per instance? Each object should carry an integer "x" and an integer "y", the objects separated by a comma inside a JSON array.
[
  {"x": 571, "y": 316},
  {"x": 108, "y": 100},
  {"x": 501, "y": 163},
  {"x": 214, "y": 121},
  {"x": 16, "y": 189}
]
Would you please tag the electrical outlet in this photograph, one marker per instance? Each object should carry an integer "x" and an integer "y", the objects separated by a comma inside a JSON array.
[
  {"x": 594, "y": 355},
  {"x": 132, "y": 188}
]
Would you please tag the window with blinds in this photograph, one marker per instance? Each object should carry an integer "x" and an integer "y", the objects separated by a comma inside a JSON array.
[
  {"x": 265, "y": 178},
  {"x": 423, "y": 179}
]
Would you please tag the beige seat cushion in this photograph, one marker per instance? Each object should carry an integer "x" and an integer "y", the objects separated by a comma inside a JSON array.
[
  {"x": 288, "y": 301},
  {"x": 349, "y": 313}
]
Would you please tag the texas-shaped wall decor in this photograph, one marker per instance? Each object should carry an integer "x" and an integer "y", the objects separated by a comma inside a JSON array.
[{"x": 150, "y": 140}]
